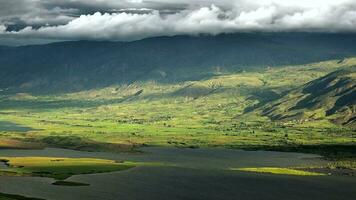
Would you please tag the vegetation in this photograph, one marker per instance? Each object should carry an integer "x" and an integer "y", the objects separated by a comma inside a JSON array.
[
  {"x": 83, "y": 65},
  {"x": 17, "y": 144},
  {"x": 343, "y": 164},
  {"x": 332, "y": 97},
  {"x": 277, "y": 170},
  {"x": 69, "y": 183},
  {"x": 225, "y": 109},
  {"x": 15, "y": 197},
  {"x": 60, "y": 168},
  {"x": 246, "y": 91}
]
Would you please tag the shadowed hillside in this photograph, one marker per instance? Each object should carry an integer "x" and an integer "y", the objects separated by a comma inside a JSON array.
[
  {"x": 331, "y": 97},
  {"x": 75, "y": 66}
]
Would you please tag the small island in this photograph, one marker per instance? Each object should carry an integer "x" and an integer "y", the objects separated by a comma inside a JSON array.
[{"x": 59, "y": 168}]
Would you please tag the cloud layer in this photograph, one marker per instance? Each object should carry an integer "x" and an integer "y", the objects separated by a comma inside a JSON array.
[{"x": 135, "y": 19}]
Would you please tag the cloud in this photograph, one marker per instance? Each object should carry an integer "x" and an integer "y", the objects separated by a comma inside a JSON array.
[
  {"x": 136, "y": 19},
  {"x": 2, "y": 28}
]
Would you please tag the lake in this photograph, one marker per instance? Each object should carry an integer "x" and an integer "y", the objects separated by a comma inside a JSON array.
[{"x": 189, "y": 174}]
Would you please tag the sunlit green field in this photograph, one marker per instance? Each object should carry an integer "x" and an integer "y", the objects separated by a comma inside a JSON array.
[
  {"x": 277, "y": 170},
  {"x": 208, "y": 112},
  {"x": 59, "y": 168}
]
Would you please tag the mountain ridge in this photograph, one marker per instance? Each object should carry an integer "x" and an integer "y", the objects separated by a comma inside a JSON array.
[
  {"x": 331, "y": 97},
  {"x": 75, "y": 66}
]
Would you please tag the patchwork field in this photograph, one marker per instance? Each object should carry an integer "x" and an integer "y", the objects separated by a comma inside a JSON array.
[{"x": 224, "y": 110}]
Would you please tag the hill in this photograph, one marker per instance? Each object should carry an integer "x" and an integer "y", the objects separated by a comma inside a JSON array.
[
  {"x": 82, "y": 65},
  {"x": 331, "y": 97},
  {"x": 226, "y": 109}
]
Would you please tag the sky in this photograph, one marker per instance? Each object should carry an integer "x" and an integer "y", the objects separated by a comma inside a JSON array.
[{"x": 42, "y": 21}]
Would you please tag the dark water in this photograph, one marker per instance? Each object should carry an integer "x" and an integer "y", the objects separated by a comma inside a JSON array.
[{"x": 197, "y": 174}]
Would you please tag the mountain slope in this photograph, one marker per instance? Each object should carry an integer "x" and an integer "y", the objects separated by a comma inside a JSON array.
[
  {"x": 74, "y": 66},
  {"x": 206, "y": 112},
  {"x": 331, "y": 97}
]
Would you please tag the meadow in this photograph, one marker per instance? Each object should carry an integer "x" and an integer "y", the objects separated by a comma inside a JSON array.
[
  {"x": 59, "y": 168},
  {"x": 219, "y": 111},
  {"x": 277, "y": 170}
]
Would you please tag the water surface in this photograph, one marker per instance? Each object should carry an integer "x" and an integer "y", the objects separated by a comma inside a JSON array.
[{"x": 197, "y": 174}]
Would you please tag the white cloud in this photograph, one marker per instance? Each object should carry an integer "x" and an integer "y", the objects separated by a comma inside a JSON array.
[
  {"x": 203, "y": 16},
  {"x": 2, "y": 28}
]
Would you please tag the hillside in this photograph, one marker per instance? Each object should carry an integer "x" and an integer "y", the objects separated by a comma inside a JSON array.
[
  {"x": 82, "y": 65},
  {"x": 222, "y": 110},
  {"x": 331, "y": 97}
]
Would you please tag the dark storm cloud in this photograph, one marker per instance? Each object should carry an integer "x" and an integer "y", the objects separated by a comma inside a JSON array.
[
  {"x": 136, "y": 19},
  {"x": 32, "y": 12}
]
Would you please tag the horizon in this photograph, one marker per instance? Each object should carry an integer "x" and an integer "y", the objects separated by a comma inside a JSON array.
[
  {"x": 197, "y": 36},
  {"x": 43, "y": 21},
  {"x": 177, "y": 99}
]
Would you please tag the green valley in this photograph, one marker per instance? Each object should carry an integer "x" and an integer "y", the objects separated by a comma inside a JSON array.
[
  {"x": 178, "y": 100},
  {"x": 234, "y": 110}
]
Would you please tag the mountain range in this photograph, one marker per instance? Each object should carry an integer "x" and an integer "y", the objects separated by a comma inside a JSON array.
[
  {"x": 78, "y": 65},
  {"x": 280, "y": 76}
]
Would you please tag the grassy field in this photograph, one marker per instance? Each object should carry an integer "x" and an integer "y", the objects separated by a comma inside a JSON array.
[
  {"x": 18, "y": 144},
  {"x": 218, "y": 111},
  {"x": 59, "y": 168},
  {"x": 276, "y": 170},
  {"x": 15, "y": 197}
]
